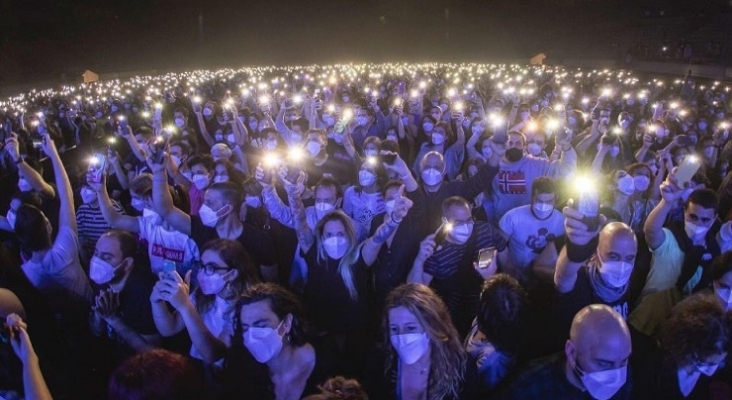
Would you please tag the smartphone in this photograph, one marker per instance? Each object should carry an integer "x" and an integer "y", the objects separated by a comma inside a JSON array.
[
  {"x": 589, "y": 205},
  {"x": 684, "y": 140},
  {"x": 485, "y": 257},
  {"x": 99, "y": 163},
  {"x": 123, "y": 124},
  {"x": 340, "y": 126},
  {"x": 686, "y": 170},
  {"x": 608, "y": 140},
  {"x": 388, "y": 158},
  {"x": 169, "y": 269},
  {"x": 442, "y": 232}
]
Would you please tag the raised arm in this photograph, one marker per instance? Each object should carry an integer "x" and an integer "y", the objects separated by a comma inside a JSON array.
[
  {"x": 66, "y": 214},
  {"x": 304, "y": 234},
  {"x": 400, "y": 168},
  {"x": 31, "y": 175},
  {"x": 202, "y": 127},
  {"x": 34, "y": 385},
  {"x": 179, "y": 220},
  {"x": 113, "y": 217},
  {"x": 653, "y": 228},
  {"x": 426, "y": 248},
  {"x": 372, "y": 245},
  {"x": 581, "y": 244}
]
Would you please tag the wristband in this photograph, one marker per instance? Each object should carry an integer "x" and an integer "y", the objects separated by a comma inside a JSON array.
[{"x": 580, "y": 253}]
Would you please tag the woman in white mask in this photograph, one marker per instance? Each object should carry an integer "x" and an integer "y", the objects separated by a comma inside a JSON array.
[
  {"x": 422, "y": 357},
  {"x": 206, "y": 312},
  {"x": 450, "y": 145},
  {"x": 271, "y": 357},
  {"x": 634, "y": 194},
  {"x": 691, "y": 348},
  {"x": 364, "y": 201}
]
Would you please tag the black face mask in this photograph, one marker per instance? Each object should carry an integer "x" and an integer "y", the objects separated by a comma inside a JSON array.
[{"x": 514, "y": 154}]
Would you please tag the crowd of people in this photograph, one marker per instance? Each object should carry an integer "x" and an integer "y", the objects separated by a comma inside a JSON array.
[{"x": 398, "y": 231}]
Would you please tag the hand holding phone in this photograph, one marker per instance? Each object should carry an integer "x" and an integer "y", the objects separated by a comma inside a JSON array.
[{"x": 485, "y": 257}]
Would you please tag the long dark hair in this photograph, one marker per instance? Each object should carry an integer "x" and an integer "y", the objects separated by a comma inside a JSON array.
[{"x": 233, "y": 254}]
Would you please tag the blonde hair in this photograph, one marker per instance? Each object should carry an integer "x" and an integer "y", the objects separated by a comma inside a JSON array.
[
  {"x": 447, "y": 355},
  {"x": 345, "y": 267}
]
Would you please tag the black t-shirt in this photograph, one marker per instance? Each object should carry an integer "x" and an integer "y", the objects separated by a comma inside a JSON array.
[
  {"x": 337, "y": 166},
  {"x": 327, "y": 299},
  {"x": 255, "y": 241},
  {"x": 569, "y": 304}
]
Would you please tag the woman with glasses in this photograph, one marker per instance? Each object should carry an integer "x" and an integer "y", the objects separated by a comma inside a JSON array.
[
  {"x": 692, "y": 348},
  {"x": 207, "y": 312},
  {"x": 271, "y": 356}
]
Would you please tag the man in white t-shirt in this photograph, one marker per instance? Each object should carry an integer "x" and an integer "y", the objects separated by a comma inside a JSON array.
[{"x": 531, "y": 227}]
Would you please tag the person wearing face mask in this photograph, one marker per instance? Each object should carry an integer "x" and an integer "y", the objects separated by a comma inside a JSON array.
[
  {"x": 218, "y": 218},
  {"x": 510, "y": 187},
  {"x": 688, "y": 355},
  {"x": 30, "y": 179},
  {"x": 272, "y": 354},
  {"x": 364, "y": 201},
  {"x": 610, "y": 155},
  {"x": 421, "y": 356},
  {"x": 322, "y": 161},
  {"x": 594, "y": 364},
  {"x": 449, "y": 266},
  {"x": 536, "y": 144},
  {"x": 453, "y": 153},
  {"x": 371, "y": 147},
  {"x": 202, "y": 167},
  {"x": 164, "y": 244},
  {"x": 593, "y": 268},
  {"x": 683, "y": 251},
  {"x": 121, "y": 314},
  {"x": 532, "y": 227},
  {"x": 52, "y": 264},
  {"x": 180, "y": 118},
  {"x": 635, "y": 195},
  {"x": 90, "y": 220},
  {"x": 435, "y": 190},
  {"x": 498, "y": 334},
  {"x": 207, "y": 312}
]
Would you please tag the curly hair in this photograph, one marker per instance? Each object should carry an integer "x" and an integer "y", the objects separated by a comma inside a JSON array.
[
  {"x": 698, "y": 328},
  {"x": 447, "y": 355},
  {"x": 502, "y": 312}
]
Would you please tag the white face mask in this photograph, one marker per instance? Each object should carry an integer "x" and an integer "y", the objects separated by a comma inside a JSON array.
[
  {"x": 695, "y": 231},
  {"x": 431, "y": 176},
  {"x": 220, "y": 178},
  {"x": 427, "y": 126},
  {"x": 100, "y": 271},
  {"x": 207, "y": 112},
  {"x": 366, "y": 178},
  {"x": 370, "y": 152},
  {"x": 626, "y": 185},
  {"x": 88, "y": 195},
  {"x": 322, "y": 208},
  {"x": 176, "y": 160},
  {"x": 263, "y": 343},
  {"x": 231, "y": 138},
  {"x": 180, "y": 122},
  {"x": 438, "y": 139},
  {"x": 614, "y": 151},
  {"x": 208, "y": 216},
  {"x": 410, "y": 346},
  {"x": 487, "y": 152},
  {"x": 534, "y": 149},
  {"x": 726, "y": 296},
  {"x": 330, "y": 121},
  {"x": 11, "y": 216},
  {"x": 461, "y": 234},
  {"x": 201, "y": 181},
  {"x": 615, "y": 273},
  {"x": 313, "y": 148},
  {"x": 602, "y": 385},
  {"x": 336, "y": 247},
  {"x": 543, "y": 210},
  {"x": 641, "y": 182},
  {"x": 24, "y": 186},
  {"x": 271, "y": 144},
  {"x": 253, "y": 201},
  {"x": 137, "y": 203},
  {"x": 210, "y": 284}
]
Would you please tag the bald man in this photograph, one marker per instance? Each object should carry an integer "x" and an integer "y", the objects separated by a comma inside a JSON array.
[
  {"x": 593, "y": 268},
  {"x": 594, "y": 364}
]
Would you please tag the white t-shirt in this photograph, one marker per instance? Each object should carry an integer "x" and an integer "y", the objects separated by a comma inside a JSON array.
[
  {"x": 362, "y": 207},
  {"x": 528, "y": 235},
  {"x": 60, "y": 270},
  {"x": 165, "y": 245}
]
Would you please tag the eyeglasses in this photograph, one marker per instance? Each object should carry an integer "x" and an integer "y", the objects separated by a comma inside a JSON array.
[
  {"x": 210, "y": 269},
  {"x": 457, "y": 224}
]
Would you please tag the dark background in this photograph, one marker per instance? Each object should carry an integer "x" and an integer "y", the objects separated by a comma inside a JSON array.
[{"x": 42, "y": 40}]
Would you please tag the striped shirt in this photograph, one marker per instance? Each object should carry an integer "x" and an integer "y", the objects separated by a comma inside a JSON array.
[{"x": 91, "y": 225}]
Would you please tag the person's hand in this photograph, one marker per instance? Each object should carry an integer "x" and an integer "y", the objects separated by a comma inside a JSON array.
[
  {"x": 459, "y": 119},
  {"x": 48, "y": 146},
  {"x": 648, "y": 140},
  {"x": 577, "y": 231},
  {"x": 680, "y": 140},
  {"x": 155, "y": 167},
  {"x": 13, "y": 147},
  {"x": 487, "y": 272},
  {"x": 156, "y": 295},
  {"x": 106, "y": 304},
  {"x": 498, "y": 150},
  {"x": 174, "y": 290},
  {"x": 261, "y": 176},
  {"x": 197, "y": 108},
  {"x": 96, "y": 186},
  {"x": 19, "y": 339},
  {"x": 426, "y": 248},
  {"x": 298, "y": 187},
  {"x": 402, "y": 204},
  {"x": 670, "y": 189},
  {"x": 399, "y": 166}
]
